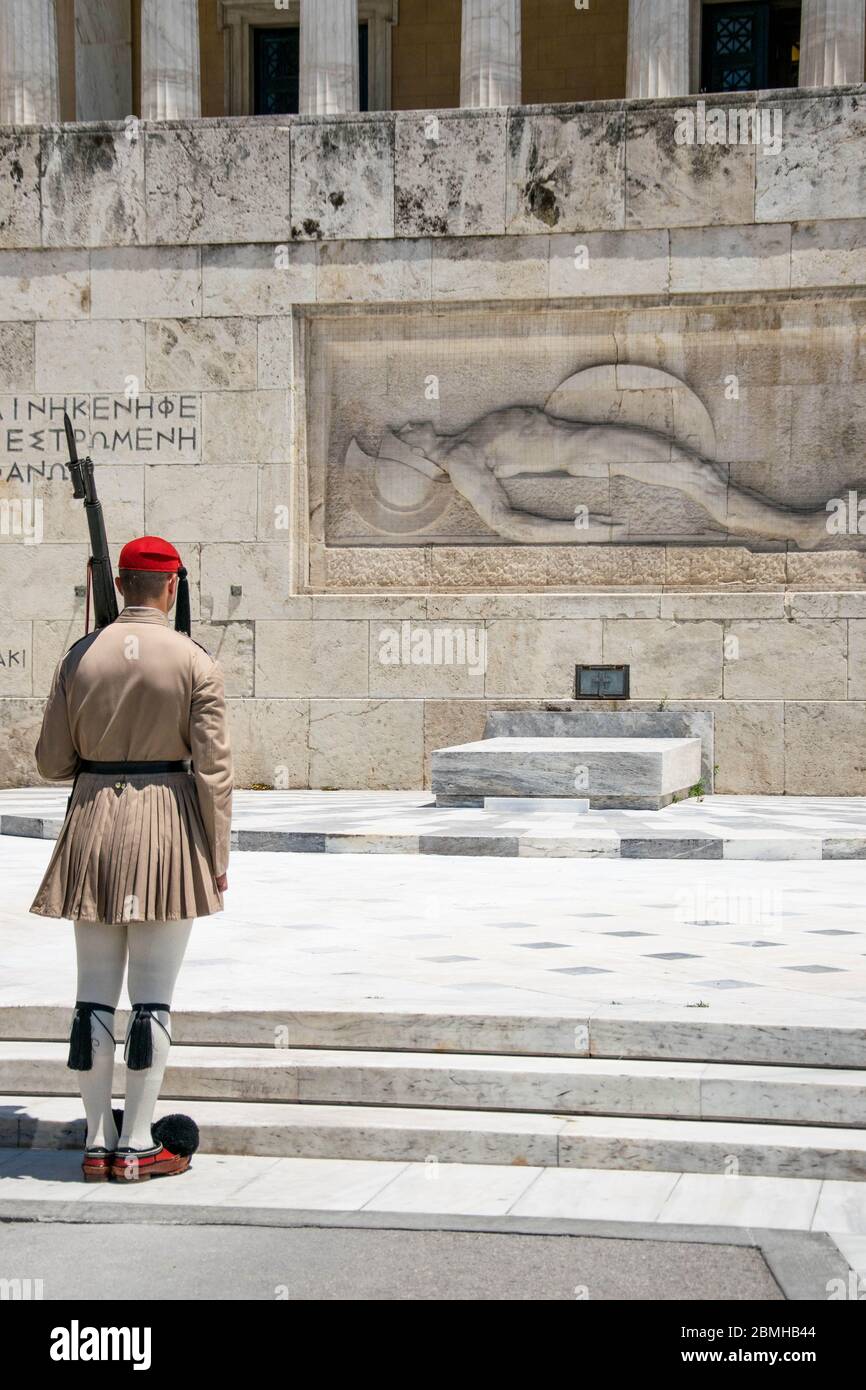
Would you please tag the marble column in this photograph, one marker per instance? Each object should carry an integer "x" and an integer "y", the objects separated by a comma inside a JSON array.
[
  {"x": 658, "y": 48},
  {"x": 29, "y": 75},
  {"x": 170, "y": 68},
  {"x": 103, "y": 60},
  {"x": 490, "y": 53},
  {"x": 832, "y": 42},
  {"x": 329, "y": 57}
]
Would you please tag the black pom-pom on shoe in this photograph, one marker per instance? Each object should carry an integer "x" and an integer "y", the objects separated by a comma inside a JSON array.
[{"x": 178, "y": 1133}]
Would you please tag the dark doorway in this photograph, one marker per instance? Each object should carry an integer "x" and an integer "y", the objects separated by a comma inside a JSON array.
[
  {"x": 276, "y": 70},
  {"x": 750, "y": 47}
]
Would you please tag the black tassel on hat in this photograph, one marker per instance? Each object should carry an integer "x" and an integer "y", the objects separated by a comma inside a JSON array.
[
  {"x": 138, "y": 1052},
  {"x": 181, "y": 611},
  {"x": 81, "y": 1035}
]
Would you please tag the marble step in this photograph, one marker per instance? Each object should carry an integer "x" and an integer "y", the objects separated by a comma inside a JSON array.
[
  {"x": 557, "y": 1085},
  {"x": 642, "y": 1033},
  {"x": 386, "y": 1133},
  {"x": 615, "y": 773}
]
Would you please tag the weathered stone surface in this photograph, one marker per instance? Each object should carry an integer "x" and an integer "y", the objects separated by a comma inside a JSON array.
[
  {"x": 372, "y": 568},
  {"x": 17, "y": 356},
  {"x": 44, "y": 284},
  {"x": 324, "y": 658},
  {"x": 709, "y": 259},
  {"x": 274, "y": 354},
  {"x": 20, "y": 722},
  {"x": 121, "y": 491},
  {"x": 20, "y": 205},
  {"x": 826, "y": 569},
  {"x": 39, "y": 581},
  {"x": 538, "y": 658},
  {"x": 671, "y": 185},
  {"x": 413, "y": 658},
  {"x": 449, "y": 174},
  {"x": 261, "y": 571},
  {"x": 92, "y": 186},
  {"x": 828, "y": 253},
  {"x": 206, "y": 502},
  {"x": 274, "y": 513},
  {"x": 217, "y": 182},
  {"x": 749, "y": 748},
  {"x": 820, "y": 165},
  {"x": 16, "y": 657},
  {"x": 269, "y": 742},
  {"x": 668, "y": 660},
  {"x": 89, "y": 356},
  {"x": 857, "y": 658},
  {"x": 366, "y": 743},
  {"x": 598, "y": 605},
  {"x": 725, "y": 605},
  {"x": 490, "y": 268},
  {"x": 232, "y": 645},
  {"x": 343, "y": 178},
  {"x": 528, "y": 566},
  {"x": 823, "y": 748},
  {"x": 565, "y": 171},
  {"x": 722, "y": 567},
  {"x": 247, "y": 426},
  {"x": 363, "y": 271},
  {"x": 145, "y": 282},
  {"x": 258, "y": 279},
  {"x": 201, "y": 354},
  {"x": 781, "y": 661},
  {"x": 615, "y": 263}
]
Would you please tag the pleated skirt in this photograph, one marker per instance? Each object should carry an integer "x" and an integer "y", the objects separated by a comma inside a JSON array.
[{"x": 134, "y": 854}]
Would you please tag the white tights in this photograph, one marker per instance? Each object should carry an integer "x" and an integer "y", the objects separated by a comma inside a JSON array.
[{"x": 156, "y": 951}]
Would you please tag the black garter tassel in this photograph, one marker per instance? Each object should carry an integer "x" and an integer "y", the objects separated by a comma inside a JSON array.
[
  {"x": 81, "y": 1035},
  {"x": 138, "y": 1052}
]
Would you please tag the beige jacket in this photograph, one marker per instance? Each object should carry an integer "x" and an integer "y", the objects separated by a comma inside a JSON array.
[{"x": 138, "y": 691}]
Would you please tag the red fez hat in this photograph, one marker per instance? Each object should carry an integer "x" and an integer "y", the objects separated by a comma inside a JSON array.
[
  {"x": 153, "y": 553},
  {"x": 150, "y": 553}
]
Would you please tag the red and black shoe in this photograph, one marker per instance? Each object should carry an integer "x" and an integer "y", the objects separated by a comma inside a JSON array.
[
  {"x": 176, "y": 1139},
  {"x": 96, "y": 1165}
]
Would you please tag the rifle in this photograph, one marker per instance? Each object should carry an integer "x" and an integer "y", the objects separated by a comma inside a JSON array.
[{"x": 99, "y": 575}]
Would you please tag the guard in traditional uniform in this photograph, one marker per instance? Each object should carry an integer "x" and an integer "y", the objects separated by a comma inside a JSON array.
[{"x": 137, "y": 716}]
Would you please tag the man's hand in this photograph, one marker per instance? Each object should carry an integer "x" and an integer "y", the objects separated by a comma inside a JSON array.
[{"x": 222, "y": 882}]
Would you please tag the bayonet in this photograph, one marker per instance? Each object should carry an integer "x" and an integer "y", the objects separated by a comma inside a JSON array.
[{"x": 100, "y": 575}]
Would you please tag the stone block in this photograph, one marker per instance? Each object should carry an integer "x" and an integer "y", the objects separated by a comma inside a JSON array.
[
  {"x": 92, "y": 186},
  {"x": 421, "y": 659},
  {"x": 269, "y": 742},
  {"x": 668, "y": 660},
  {"x": 305, "y": 658},
  {"x": 20, "y": 203},
  {"x": 38, "y": 581},
  {"x": 823, "y": 744},
  {"x": 374, "y": 744},
  {"x": 671, "y": 185},
  {"x": 750, "y": 747},
  {"x": 247, "y": 427},
  {"x": 828, "y": 253},
  {"x": 258, "y": 280},
  {"x": 785, "y": 660},
  {"x": 206, "y": 502},
  {"x": 17, "y": 356},
  {"x": 274, "y": 513},
  {"x": 707, "y": 260},
  {"x": 16, "y": 657},
  {"x": 615, "y": 773},
  {"x": 614, "y": 263},
  {"x": 89, "y": 355},
  {"x": 145, "y": 282},
  {"x": 343, "y": 178},
  {"x": 44, "y": 284},
  {"x": 232, "y": 645},
  {"x": 490, "y": 268},
  {"x": 201, "y": 354},
  {"x": 374, "y": 271},
  {"x": 261, "y": 571},
  {"x": 274, "y": 354},
  {"x": 222, "y": 181},
  {"x": 565, "y": 171},
  {"x": 536, "y": 659},
  {"x": 819, "y": 171},
  {"x": 20, "y": 723},
  {"x": 449, "y": 173}
]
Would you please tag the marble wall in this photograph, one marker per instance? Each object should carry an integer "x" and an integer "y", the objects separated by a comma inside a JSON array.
[{"x": 170, "y": 285}]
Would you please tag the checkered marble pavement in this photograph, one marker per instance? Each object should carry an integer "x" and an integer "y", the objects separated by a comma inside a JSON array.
[
  {"x": 749, "y": 940},
  {"x": 714, "y": 827}
]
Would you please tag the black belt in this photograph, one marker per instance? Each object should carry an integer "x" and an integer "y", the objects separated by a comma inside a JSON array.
[{"x": 132, "y": 769}]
